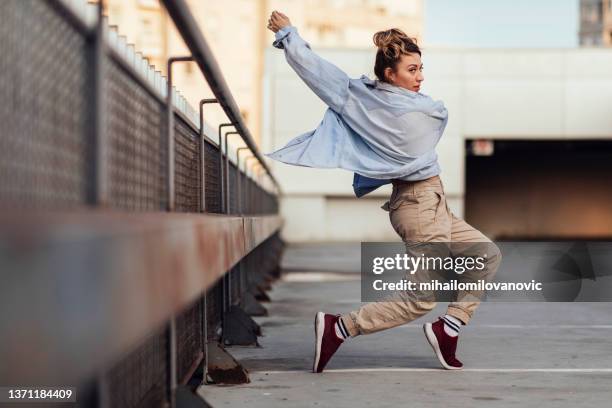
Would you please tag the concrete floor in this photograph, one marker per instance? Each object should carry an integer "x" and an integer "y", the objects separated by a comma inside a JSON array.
[{"x": 514, "y": 354}]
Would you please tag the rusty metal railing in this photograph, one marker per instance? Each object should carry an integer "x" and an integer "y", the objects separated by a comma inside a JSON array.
[{"x": 122, "y": 218}]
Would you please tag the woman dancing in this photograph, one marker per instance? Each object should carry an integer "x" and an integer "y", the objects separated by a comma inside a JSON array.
[{"x": 384, "y": 130}]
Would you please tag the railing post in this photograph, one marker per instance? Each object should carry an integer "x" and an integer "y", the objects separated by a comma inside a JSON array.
[
  {"x": 203, "y": 155},
  {"x": 227, "y": 178},
  {"x": 99, "y": 195},
  {"x": 228, "y": 210},
  {"x": 204, "y": 302},
  {"x": 170, "y": 190},
  {"x": 258, "y": 166},
  {"x": 170, "y": 129},
  {"x": 240, "y": 175},
  {"x": 221, "y": 167}
]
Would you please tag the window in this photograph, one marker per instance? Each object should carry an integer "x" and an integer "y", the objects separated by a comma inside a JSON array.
[{"x": 149, "y": 37}]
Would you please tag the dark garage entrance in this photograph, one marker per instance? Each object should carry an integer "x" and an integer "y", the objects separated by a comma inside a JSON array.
[{"x": 539, "y": 189}]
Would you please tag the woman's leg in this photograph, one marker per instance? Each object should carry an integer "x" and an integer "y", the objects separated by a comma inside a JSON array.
[{"x": 468, "y": 241}]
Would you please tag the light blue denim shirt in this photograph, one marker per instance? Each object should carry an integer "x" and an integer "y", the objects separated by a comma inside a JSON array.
[{"x": 376, "y": 130}]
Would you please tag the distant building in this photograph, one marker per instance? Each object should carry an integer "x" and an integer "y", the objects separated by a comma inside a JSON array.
[{"x": 596, "y": 22}]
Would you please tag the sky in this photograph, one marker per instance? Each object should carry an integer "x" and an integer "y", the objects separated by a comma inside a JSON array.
[{"x": 501, "y": 23}]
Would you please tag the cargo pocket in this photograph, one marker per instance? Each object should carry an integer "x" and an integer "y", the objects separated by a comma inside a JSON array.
[
  {"x": 391, "y": 204},
  {"x": 430, "y": 205},
  {"x": 439, "y": 206}
]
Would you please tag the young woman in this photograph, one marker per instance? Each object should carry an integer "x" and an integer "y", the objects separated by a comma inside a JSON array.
[{"x": 384, "y": 130}]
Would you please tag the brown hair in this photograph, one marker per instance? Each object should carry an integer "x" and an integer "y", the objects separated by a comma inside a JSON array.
[{"x": 392, "y": 44}]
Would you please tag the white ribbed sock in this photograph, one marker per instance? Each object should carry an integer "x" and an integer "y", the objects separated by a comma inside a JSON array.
[
  {"x": 341, "y": 331},
  {"x": 452, "y": 325}
]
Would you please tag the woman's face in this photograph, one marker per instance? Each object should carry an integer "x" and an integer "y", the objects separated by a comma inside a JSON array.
[{"x": 408, "y": 72}]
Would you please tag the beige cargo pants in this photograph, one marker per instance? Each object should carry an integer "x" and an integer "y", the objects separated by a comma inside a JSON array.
[{"x": 419, "y": 213}]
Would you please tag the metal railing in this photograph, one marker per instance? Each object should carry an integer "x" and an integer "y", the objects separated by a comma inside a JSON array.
[{"x": 111, "y": 178}]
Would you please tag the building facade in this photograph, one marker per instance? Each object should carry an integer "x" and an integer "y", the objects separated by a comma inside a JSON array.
[{"x": 596, "y": 23}]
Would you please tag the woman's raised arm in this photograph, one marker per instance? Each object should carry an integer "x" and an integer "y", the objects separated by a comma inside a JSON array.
[{"x": 325, "y": 79}]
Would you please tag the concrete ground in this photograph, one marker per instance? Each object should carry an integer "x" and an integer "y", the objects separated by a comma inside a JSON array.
[{"x": 514, "y": 354}]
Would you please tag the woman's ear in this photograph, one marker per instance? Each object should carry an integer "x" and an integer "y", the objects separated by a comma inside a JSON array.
[{"x": 389, "y": 75}]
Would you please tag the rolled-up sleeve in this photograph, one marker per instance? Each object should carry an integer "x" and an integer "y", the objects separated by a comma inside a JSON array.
[{"x": 325, "y": 79}]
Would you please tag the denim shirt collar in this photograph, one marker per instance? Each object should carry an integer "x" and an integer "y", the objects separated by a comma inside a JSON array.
[{"x": 388, "y": 87}]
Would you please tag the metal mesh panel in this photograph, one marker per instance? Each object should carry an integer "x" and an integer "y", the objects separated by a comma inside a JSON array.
[
  {"x": 249, "y": 204},
  {"x": 44, "y": 90},
  {"x": 258, "y": 200},
  {"x": 214, "y": 310},
  {"x": 242, "y": 180},
  {"x": 213, "y": 179},
  {"x": 271, "y": 204},
  {"x": 186, "y": 167},
  {"x": 235, "y": 288},
  {"x": 268, "y": 202},
  {"x": 189, "y": 339},
  {"x": 140, "y": 379},
  {"x": 137, "y": 145}
]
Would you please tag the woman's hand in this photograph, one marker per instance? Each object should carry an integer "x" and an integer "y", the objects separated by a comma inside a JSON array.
[{"x": 277, "y": 21}]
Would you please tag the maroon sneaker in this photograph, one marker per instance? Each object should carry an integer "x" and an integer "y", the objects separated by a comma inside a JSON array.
[
  {"x": 326, "y": 340},
  {"x": 443, "y": 344}
]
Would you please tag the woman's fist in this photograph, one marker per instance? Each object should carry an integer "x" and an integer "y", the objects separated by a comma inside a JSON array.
[{"x": 277, "y": 21}]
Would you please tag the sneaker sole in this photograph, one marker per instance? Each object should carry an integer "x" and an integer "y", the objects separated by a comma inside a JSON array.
[
  {"x": 433, "y": 342},
  {"x": 319, "y": 326}
]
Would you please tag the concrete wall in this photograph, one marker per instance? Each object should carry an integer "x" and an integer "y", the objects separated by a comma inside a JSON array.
[{"x": 491, "y": 94}]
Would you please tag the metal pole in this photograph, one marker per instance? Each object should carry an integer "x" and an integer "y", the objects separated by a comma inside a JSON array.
[
  {"x": 205, "y": 341},
  {"x": 203, "y": 209},
  {"x": 240, "y": 175},
  {"x": 170, "y": 186},
  {"x": 221, "y": 182},
  {"x": 258, "y": 197},
  {"x": 203, "y": 155},
  {"x": 99, "y": 195},
  {"x": 224, "y": 280},
  {"x": 227, "y": 178},
  {"x": 170, "y": 129},
  {"x": 228, "y": 209}
]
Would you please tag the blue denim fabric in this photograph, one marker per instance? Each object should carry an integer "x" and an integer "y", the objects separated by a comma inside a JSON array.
[
  {"x": 377, "y": 130},
  {"x": 363, "y": 185}
]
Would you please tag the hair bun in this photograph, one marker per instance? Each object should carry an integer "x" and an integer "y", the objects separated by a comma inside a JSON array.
[{"x": 392, "y": 42}]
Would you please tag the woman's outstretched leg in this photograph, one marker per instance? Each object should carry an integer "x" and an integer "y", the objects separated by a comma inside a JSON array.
[
  {"x": 332, "y": 330},
  {"x": 396, "y": 309}
]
